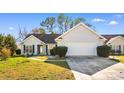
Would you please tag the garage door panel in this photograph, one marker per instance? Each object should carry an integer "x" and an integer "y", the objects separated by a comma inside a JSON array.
[{"x": 81, "y": 48}]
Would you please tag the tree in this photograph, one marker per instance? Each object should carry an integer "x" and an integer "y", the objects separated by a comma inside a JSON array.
[
  {"x": 7, "y": 45},
  {"x": 78, "y": 20},
  {"x": 1, "y": 41},
  {"x": 48, "y": 24},
  {"x": 22, "y": 34},
  {"x": 65, "y": 22},
  {"x": 89, "y": 25},
  {"x": 60, "y": 21},
  {"x": 38, "y": 31},
  {"x": 10, "y": 43}
]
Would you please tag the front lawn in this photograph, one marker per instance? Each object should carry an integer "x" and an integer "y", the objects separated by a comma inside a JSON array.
[{"x": 21, "y": 68}]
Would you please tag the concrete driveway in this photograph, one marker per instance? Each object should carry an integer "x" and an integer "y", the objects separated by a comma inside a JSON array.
[{"x": 95, "y": 68}]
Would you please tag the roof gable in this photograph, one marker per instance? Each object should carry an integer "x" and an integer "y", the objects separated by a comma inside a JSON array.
[
  {"x": 31, "y": 39},
  {"x": 80, "y": 24},
  {"x": 115, "y": 38},
  {"x": 111, "y": 36}
]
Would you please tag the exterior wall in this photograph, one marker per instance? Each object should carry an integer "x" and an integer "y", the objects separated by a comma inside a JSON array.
[
  {"x": 80, "y": 34},
  {"x": 116, "y": 43},
  {"x": 29, "y": 42},
  {"x": 78, "y": 38}
]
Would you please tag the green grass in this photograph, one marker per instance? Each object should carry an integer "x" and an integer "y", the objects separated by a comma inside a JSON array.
[
  {"x": 119, "y": 58},
  {"x": 21, "y": 68}
]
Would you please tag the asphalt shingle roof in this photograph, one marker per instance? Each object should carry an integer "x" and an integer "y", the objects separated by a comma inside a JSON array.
[
  {"x": 112, "y": 35},
  {"x": 50, "y": 38},
  {"x": 46, "y": 38},
  {"x": 108, "y": 37}
]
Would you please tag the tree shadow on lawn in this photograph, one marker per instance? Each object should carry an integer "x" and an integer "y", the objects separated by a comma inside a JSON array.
[
  {"x": 63, "y": 63},
  {"x": 87, "y": 65}
]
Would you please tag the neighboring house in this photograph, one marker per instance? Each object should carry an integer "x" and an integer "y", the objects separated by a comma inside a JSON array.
[
  {"x": 116, "y": 42},
  {"x": 80, "y": 40},
  {"x": 38, "y": 44}
]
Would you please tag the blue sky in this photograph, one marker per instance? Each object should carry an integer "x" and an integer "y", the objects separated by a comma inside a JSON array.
[{"x": 104, "y": 23}]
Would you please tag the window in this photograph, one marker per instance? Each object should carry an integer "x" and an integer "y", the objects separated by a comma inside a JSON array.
[
  {"x": 119, "y": 47},
  {"x": 30, "y": 49},
  {"x": 26, "y": 49}
]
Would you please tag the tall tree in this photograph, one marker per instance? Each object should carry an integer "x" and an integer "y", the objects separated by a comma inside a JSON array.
[
  {"x": 1, "y": 41},
  {"x": 63, "y": 23},
  {"x": 10, "y": 43},
  {"x": 79, "y": 20},
  {"x": 60, "y": 21},
  {"x": 38, "y": 31},
  {"x": 49, "y": 24},
  {"x": 67, "y": 23}
]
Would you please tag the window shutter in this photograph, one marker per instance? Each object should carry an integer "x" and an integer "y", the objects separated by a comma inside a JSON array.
[
  {"x": 24, "y": 48},
  {"x": 33, "y": 49}
]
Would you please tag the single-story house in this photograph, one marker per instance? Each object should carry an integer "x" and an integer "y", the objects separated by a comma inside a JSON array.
[
  {"x": 80, "y": 40},
  {"x": 38, "y": 44},
  {"x": 116, "y": 42}
]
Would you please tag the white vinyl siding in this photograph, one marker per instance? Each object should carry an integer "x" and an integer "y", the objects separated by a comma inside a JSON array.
[
  {"x": 118, "y": 47},
  {"x": 81, "y": 42}
]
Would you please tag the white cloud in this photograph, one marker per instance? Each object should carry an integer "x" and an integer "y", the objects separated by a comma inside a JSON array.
[
  {"x": 119, "y": 16},
  {"x": 98, "y": 20},
  {"x": 113, "y": 22},
  {"x": 11, "y": 28}
]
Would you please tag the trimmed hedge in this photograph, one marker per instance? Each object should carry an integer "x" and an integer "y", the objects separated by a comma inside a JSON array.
[
  {"x": 59, "y": 50},
  {"x": 103, "y": 51},
  {"x": 53, "y": 51}
]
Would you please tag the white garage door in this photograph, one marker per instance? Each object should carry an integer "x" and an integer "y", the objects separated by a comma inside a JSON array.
[{"x": 81, "y": 49}]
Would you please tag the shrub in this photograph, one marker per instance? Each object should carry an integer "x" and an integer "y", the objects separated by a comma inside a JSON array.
[
  {"x": 113, "y": 51},
  {"x": 5, "y": 53},
  {"x": 103, "y": 51},
  {"x": 53, "y": 51},
  {"x": 61, "y": 51},
  {"x": 18, "y": 52}
]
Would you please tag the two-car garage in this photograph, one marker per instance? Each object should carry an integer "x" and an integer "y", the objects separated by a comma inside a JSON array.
[
  {"x": 81, "y": 41},
  {"x": 77, "y": 49}
]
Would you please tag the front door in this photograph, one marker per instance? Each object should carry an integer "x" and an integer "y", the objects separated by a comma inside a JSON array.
[{"x": 41, "y": 49}]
